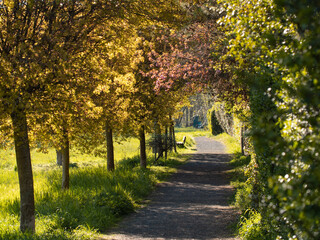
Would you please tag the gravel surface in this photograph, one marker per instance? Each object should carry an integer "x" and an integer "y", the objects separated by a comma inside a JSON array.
[{"x": 193, "y": 204}]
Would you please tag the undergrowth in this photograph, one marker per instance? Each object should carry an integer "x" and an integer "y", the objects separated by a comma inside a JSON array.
[
  {"x": 97, "y": 199},
  {"x": 249, "y": 225}
]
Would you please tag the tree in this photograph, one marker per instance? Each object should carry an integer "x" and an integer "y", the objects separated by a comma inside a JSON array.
[{"x": 37, "y": 39}]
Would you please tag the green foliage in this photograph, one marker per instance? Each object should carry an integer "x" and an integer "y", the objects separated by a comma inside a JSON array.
[
  {"x": 274, "y": 50},
  {"x": 213, "y": 123},
  {"x": 251, "y": 226}
]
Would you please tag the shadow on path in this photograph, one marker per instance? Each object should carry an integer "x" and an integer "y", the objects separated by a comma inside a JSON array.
[{"x": 192, "y": 205}]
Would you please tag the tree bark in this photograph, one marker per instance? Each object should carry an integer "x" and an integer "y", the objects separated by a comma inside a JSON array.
[
  {"x": 187, "y": 117},
  {"x": 159, "y": 140},
  {"x": 174, "y": 139},
  {"x": 143, "y": 154},
  {"x": 110, "y": 151},
  {"x": 65, "y": 155},
  {"x": 166, "y": 143},
  {"x": 59, "y": 157},
  {"x": 23, "y": 159},
  {"x": 191, "y": 117},
  {"x": 242, "y": 140}
]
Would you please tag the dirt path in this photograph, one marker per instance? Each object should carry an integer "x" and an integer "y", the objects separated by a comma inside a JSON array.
[{"x": 192, "y": 205}]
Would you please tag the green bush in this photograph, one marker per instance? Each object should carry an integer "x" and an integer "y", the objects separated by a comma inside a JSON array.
[
  {"x": 250, "y": 226},
  {"x": 116, "y": 201}
]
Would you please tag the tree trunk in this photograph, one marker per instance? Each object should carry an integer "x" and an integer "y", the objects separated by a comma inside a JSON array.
[
  {"x": 110, "y": 151},
  {"x": 174, "y": 139},
  {"x": 159, "y": 140},
  {"x": 143, "y": 154},
  {"x": 65, "y": 155},
  {"x": 171, "y": 137},
  {"x": 187, "y": 117},
  {"x": 242, "y": 140},
  {"x": 166, "y": 143},
  {"x": 59, "y": 157},
  {"x": 23, "y": 158}
]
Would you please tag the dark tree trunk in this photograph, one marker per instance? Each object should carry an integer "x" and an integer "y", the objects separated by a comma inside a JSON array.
[
  {"x": 159, "y": 140},
  {"x": 171, "y": 126},
  {"x": 23, "y": 158},
  {"x": 166, "y": 143},
  {"x": 242, "y": 140},
  {"x": 143, "y": 154},
  {"x": 65, "y": 155},
  {"x": 59, "y": 157},
  {"x": 174, "y": 139},
  {"x": 171, "y": 138},
  {"x": 110, "y": 151}
]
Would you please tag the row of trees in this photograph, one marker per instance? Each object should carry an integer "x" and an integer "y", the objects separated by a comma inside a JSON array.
[
  {"x": 261, "y": 58},
  {"x": 78, "y": 72},
  {"x": 81, "y": 71}
]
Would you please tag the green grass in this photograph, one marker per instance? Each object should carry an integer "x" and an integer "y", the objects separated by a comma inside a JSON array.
[
  {"x": 190, "y": 133},
  {"x": 96, "y": 200},
  {"x": 231, "y": 143}
]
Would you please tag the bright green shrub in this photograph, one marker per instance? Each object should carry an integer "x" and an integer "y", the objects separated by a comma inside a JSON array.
[{"x": 250, "y": 226}]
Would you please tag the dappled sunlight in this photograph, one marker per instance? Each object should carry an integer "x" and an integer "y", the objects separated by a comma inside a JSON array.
[{"x": 193, "y": 204}]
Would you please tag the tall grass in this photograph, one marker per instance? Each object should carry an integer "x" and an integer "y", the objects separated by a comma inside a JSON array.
[{"x": 96, "y": 200}]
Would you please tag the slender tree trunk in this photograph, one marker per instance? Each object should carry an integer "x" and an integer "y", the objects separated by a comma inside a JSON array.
[
  {"x": 65, "y": 155},
  {"x": 174, "y": 140},
  {"x": 59, "y": 157},
  {"x": 242, "y": 140},
  {"x": 159, "y": 140},
  {"x": 143, "y": 154},
  {"x": 187, "y": 117},
  {"x": 110, "y": 151},
  {"x": 166, "y": 143},
  {"x": 23, "y": 158},
  {"x": 170, "y": 137}
]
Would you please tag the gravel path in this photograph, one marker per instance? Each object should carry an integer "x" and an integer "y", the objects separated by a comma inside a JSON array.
[{"x": 192, "y": 205}]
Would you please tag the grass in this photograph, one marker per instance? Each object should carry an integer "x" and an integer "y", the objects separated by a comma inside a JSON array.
[
  {"x": 190, "y": 133},
  {"x": 96, "y": 200},
  {"x": 248, "y": 226},
  {"x": 231, "y": 143}
]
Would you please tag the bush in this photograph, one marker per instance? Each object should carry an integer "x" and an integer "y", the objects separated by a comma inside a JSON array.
[{"x": 250, "y": 226}]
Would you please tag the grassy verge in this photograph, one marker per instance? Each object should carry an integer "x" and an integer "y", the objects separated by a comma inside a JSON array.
[
  {"x": 96, "y": 200},
  {"x": 190, "y": 133},
  {"x": 248, "y": 226}
]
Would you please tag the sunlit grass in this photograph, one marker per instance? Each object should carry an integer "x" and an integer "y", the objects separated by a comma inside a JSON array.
[
  {"x": 231, "y": 143},
  {"x": 190, "y": 133},
  {"x": 96, "y": 200}
]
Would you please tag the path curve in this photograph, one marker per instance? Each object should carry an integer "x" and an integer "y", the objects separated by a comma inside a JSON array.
[{"x": 193, "y": 204}]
